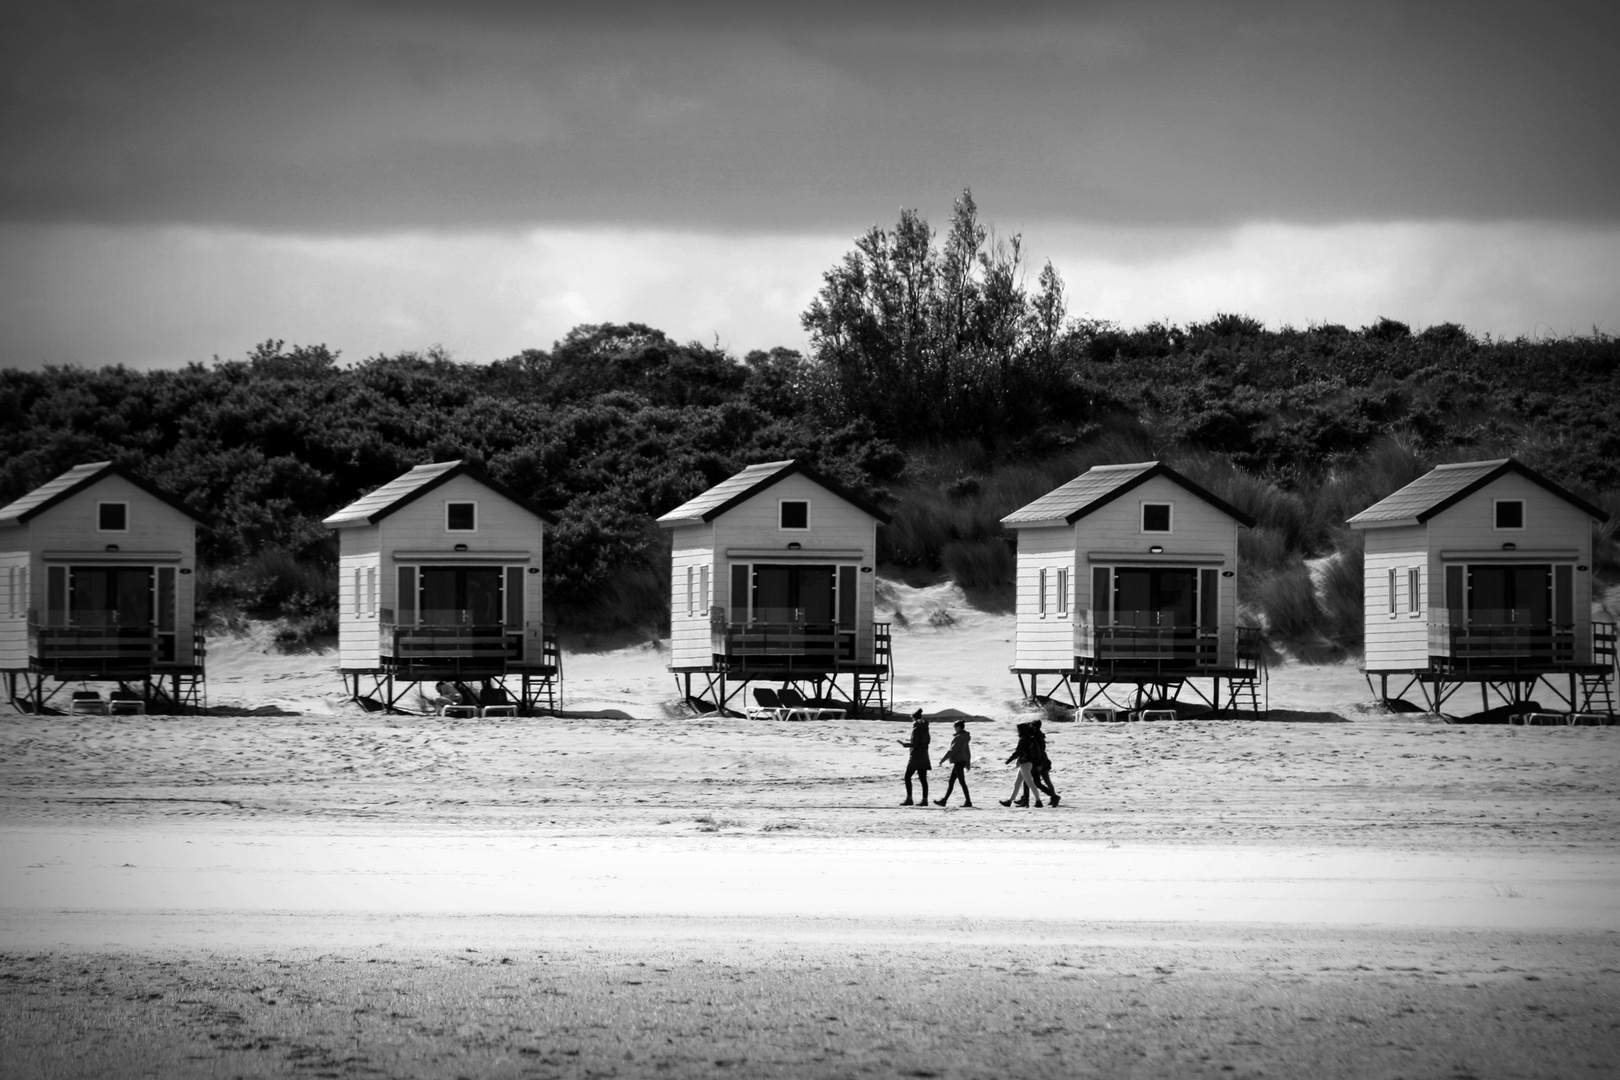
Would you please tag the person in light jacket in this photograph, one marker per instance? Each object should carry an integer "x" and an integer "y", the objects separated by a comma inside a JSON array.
[
  {"x": 918, "y": 761},
  {"x": 1023, "y": 755},
  {"x": 961, "y": 759}
]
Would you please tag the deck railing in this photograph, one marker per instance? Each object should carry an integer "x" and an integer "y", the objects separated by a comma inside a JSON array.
[
  {"x": 106, "y": 647},
  {"x": 1150, "y": 646},
  {"x": 1494, "y": 644},
  {"x": 773, "y": 644},
  {"x": 423, "y": 644}
]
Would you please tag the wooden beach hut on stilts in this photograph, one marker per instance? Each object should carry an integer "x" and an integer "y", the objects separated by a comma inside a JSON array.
[
  {"x": 440, "y": 580},
  {"x": 97, "y": 587},
  {"x": 1127, "y": 595},
  {"x": 1479, "y": 574},
  {"x": 773, "y": 582}
]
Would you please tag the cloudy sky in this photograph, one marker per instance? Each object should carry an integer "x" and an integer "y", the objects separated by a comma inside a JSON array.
[{"x": 180, "y": 180}]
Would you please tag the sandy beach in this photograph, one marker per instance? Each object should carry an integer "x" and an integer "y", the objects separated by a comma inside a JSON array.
[{"x": 302, "y": 888}]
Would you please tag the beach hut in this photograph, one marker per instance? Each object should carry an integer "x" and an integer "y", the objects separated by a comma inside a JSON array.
[
  {"x": 97, "y": 586},
  {"x": 1480, "y": 573},
  {"x": 773, "y": 582},
  {"x": 439, "y": 580},
  {"x": 1126, "y": 586}
]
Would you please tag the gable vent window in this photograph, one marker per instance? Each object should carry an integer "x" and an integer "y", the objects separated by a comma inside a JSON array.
[
  {"x": 1155, "y": 517},
  {"x": 1510, "y": 513},
  {"x": 112, "y": 517},
  {"x": 461, "y": 516},
  {"x": 795, "y": 514}
]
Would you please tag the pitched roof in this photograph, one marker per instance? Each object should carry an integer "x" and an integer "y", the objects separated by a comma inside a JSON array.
[
  {"x": 410, "y": 486},
  {"x": 1102, "y": 484},
  {"x": 75, "y": 480},
  {"x": 1446, "y": 485},
  {"x": 750, "y": 482}
]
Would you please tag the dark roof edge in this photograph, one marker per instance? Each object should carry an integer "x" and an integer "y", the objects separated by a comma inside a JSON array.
[
  {"x": 462, "y": 469},
  {"x": 1513, "y": 465},
  {"x": 810, "y": 474},
  {"x": 1161, "y": 469},
  {"x": 110, "y": 469}
]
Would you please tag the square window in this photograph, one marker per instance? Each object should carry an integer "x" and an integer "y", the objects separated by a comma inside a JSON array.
[
  {"x": 1156, "y": 517},
  {"x": 461, "y": 516},
  {"x": 1510, "y": 513},
  {"x": 112, "y": 517},
  {"x": 795, "y": 514}
]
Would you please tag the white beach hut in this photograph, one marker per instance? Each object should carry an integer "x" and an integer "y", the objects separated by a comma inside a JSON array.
[
  {"x": 773, "y": 582},
  {"x": 440, "y": 580},
  {"x": 1480, "y": 573},
  {"x": 1127, "y": 578},
  {"x": 98, "y": 585}
]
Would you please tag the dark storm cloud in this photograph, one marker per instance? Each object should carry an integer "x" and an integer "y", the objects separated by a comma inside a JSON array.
[{"x": 310, "y": 117}]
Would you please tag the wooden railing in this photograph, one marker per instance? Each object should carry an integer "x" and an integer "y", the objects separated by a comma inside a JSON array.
[
  {"x": 419, "y": 644},
  {"x": 1173, "y": 646},
  {"x": 776, "y": 644},
  {"x": 1551, "y": 644}
]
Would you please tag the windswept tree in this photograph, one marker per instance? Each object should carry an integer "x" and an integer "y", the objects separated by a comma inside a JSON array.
[{"x": 931, "y": 340}]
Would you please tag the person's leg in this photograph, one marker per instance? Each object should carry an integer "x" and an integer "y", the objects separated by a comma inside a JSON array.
[
  {"x": 1046, "y": 784},
  {"x": 1043, "y": 780},
  {"x": 909, "y": 770},
  {"x": 967, "y": 798},
  {"x": 1028, "y": 777},
  {"x": 950, "y": 785},
  {"x": 922, "y": 778},
  {"x": 1018, "y": 781}
]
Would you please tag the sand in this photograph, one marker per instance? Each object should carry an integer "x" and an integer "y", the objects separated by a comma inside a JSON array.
[{"x": 303, "y": 888}]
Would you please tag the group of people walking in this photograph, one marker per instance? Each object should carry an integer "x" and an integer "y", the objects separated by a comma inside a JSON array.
[{"x": 1034, "y": 767}]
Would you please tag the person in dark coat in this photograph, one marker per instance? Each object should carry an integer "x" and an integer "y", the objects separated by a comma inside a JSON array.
[
  {"x": 1022, "y": 755},
  {"x": 1041, "y": 767},
  {"x": 918, "y": 761},
  {"x": 961, "y": 759}
]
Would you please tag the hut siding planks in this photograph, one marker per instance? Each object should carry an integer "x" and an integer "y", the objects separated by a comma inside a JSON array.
[
  {"x": 1197, "y": 528},
  {"x": 755, "y": 523},
  {"x": 15, "y": 598},
  {"x": 153, "y": 525},
  {"x": 692, "y": 547},
  {"x": 359, "y": 644},
  {"x": 1045, "y": 642},
  {"x": 501, "y": 525},
  {"x": 1399, "y": 641},
  {"x": 1549, "y": 522}
]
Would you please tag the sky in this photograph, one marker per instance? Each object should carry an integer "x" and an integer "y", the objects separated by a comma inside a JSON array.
[{"x": 182, "y": 180}]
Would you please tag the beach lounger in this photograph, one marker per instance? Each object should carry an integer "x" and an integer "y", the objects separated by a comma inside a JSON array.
[
  {"x": 1099, "y": 714},
  {"x": 87, "y": 703},
  {"x": 126, "y": 703},
  {"x": 1159, "y": 714},
  {"x": 497, "y": 710},
  {"x": 795, "y": 700},
  {"x": 459, "y": 712},
  {"x": 770, "y": 707}
]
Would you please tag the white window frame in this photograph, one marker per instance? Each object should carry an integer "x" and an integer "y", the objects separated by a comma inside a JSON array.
[
  {"x": 1414, "y": 591},
  {"x": 1041, "y": 586},
  {"x": 703, "y": 590},
  {"x": 691, "y": 596},
  {"x": 448, "y": 503},
  {"x": 1394, "y": 595},
  {"x": 113, "y": 502},
  {"x": 1495, "y": 511},
  {"x": 1063, "y": 592},
  {"x": 809, "y": 521},
  {"x": 371, "y": 591},
  {"x": 1141, "y": 518},
  {"x": 359, "y": 592}
]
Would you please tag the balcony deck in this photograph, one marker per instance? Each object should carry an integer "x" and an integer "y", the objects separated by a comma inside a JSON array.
[
  {"x": 791, "y": 650},
  {"x": 453, "y": 652},
  {"x": 108, "y": 652}
]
